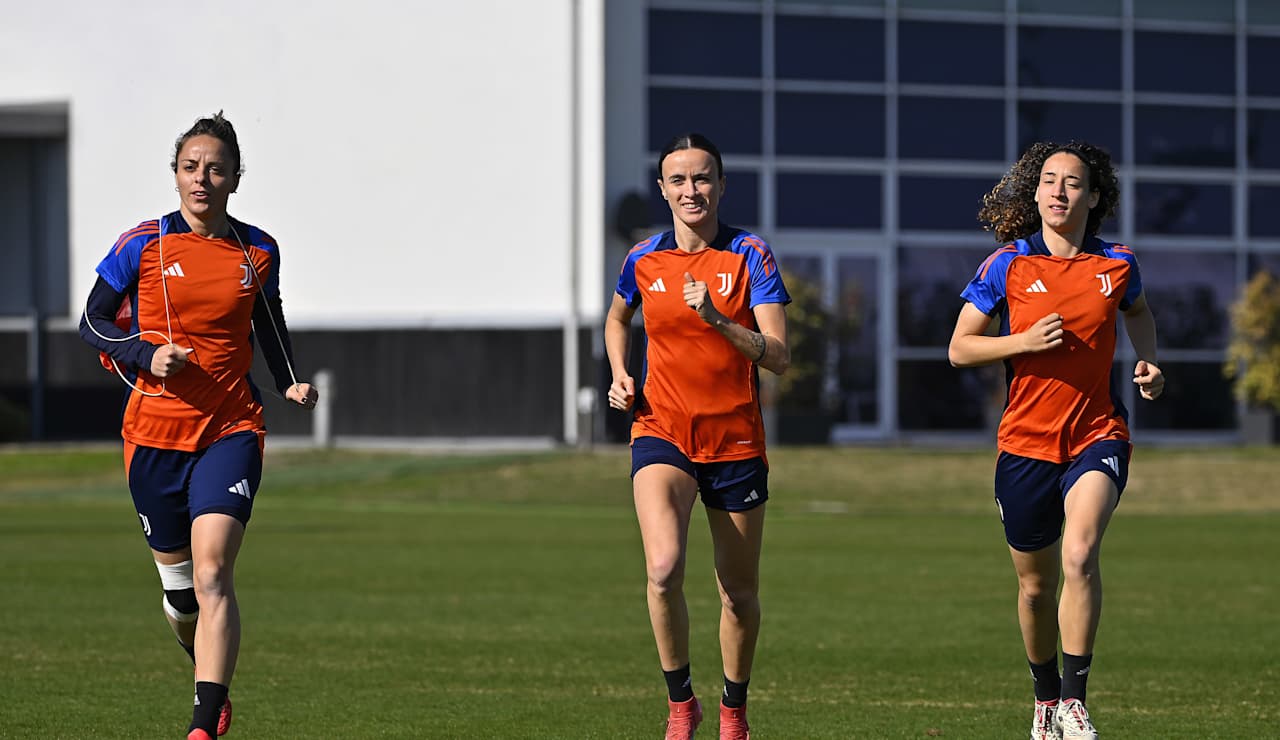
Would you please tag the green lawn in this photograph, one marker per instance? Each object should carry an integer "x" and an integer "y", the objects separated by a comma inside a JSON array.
[{"x": 502, "y": 596}]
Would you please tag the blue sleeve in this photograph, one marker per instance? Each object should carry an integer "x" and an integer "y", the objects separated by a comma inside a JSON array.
[
  {"x": 1134, "y": 288},
  {"x": 262, "y": 240},
  {"x": 120, "y": 267},
  {"x": 627, "y": 279},
  {"x": 766, "y": 278},
  {"x": 98, "y": 328},
  {"x": 987, "y": 291}
]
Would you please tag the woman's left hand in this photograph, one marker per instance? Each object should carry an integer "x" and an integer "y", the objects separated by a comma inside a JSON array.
[
  {"x": 303, "y": 394},
  {"x": 1149, "y": 379}
]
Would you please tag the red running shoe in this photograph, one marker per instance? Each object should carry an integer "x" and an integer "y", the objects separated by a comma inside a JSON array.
[
  {"x": 733, "y": 723},
  {"x": 683, "y": 719}
]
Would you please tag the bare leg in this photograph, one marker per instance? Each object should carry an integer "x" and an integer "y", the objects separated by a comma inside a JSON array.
[
  {"x": 1089, "y": 506},
  {"x": 664, "y": 497},
  {"x": 738, "y": 537},
  {"x": 1037, "y": 601},
  {"x": 215, "y": 542}
]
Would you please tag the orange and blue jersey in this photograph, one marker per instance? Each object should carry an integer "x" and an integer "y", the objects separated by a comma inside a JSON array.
[
  {"x": 203, "y": 293},
  {"x": 698, "y": 392},
  {"x": 1064, "y": 399}
]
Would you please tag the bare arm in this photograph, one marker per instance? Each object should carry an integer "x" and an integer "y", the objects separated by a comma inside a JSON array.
[
  {"x": 972, "y": 344},
  {"x": 766, "y": 348},
  {"x": 617, "y": 346},
  {"x": 1140, "y": 325}
]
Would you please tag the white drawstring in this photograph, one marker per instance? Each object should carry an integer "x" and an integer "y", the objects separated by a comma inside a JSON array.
[{"x": 164, "y": 285}]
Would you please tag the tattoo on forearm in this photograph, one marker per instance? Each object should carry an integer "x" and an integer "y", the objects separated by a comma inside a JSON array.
[{"x": 760, "y": 345}]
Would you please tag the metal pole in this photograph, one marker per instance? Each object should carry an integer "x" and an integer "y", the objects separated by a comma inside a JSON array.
[
  {"x": 322, "y": 415},
  {"x": 571, "y": 313}
]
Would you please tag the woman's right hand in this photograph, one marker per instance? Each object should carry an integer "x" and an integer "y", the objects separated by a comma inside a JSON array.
[
  {"x": 168, "y": 360},
  {"x": 1043, "y": 335},
  {"x": 622, "y": 392}
]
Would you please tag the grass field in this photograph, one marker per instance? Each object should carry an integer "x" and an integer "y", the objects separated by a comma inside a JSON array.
[{"x": 503, "y": 597}]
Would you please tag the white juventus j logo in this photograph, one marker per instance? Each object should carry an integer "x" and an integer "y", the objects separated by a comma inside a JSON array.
[
  {"x": 726, "y": 283},
  {"x": 146, "y": 525},
  {"x": 246, "y": 279},
  {"x": 1106, "y": 284}
]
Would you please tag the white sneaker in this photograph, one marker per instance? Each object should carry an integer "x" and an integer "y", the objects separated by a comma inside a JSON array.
[
  {"x": 1072, "y": 720},
  {"x": 1042, "y": 726}
]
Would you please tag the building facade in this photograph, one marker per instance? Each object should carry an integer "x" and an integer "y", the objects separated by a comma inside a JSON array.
[{"x": 454, "y": 186}]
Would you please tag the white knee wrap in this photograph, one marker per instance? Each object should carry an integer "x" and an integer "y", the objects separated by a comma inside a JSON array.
[{"x": 177, "y": 577}]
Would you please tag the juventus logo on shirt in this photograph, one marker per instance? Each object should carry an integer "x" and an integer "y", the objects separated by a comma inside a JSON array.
[
  {"x": 246, "y": 279},
  {"x": 1106, "y": 283},
  {"x": 726, "y": 283}
]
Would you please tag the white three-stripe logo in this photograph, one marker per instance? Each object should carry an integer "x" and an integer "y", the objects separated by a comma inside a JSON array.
[
  {"x": 241, "y": 488},
  {"x": 1106, "y": 283},
  {"x": 174, "y": 270},
  {"x": 1037, "y": 287},
  {"x": 658, "y": 287},
  {"x": 1113, "y": 463}
]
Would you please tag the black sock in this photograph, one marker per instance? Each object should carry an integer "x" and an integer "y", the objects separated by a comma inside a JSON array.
[
  {"x": 735, "y": 694},
  {"x": 1075, "y": 674},
  {"x": 679, "y": 684},
  {"x": 191, "y": 650},
  {"x": 209, "y": 699},
  {"x": 1048, "y": 683}
]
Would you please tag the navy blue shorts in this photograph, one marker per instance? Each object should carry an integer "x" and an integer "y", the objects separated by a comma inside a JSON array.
[
  {"x": 171, "y": 487},
  {"x": 736, "y": 485},
  {"x": 1030, "y": 493}
]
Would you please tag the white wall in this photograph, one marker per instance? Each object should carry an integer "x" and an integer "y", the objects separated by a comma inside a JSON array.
[{"x": 412, "y": 159}]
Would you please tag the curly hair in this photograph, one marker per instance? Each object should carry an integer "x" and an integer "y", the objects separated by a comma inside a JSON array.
[
  {"x": 1010, "y": 210},
  {"x": 218, "y": 127}
]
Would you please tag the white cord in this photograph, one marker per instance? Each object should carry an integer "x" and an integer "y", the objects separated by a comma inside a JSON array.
[
  {"x": 167, "y": 322},
  {"x": 265, "y": 304},
  {"x": 164, "y": 286}
]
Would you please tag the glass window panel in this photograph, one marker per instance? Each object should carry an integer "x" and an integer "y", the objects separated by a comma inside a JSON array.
[
  {"x": 1177, "y": 135},
  {"x": 1269, "y": 261},
  {"x": 950, "y": 53},
  {"x": 813, "y": 200},
  {"x": 801, "y": 391},
  {"x": 1184, "y": 62},
  {"x": 1176, "y": 208},
  {"x": 942, "y": 203},
  {"x": 1190, "y": 295},
  {"x": 1263, "y": 11},
  {"x": 830, "y": 124},
  {"x": 1264, "y": 204},
  {"x": 828, "y": 48},
  {"x": 835, "y": 3},
  {"x": 726, "y": 44},
  {"x": 1196, "y": 397},
  {"x": 942, "y": 397},
  {"x": 730, "y": 118},
  {"x": 739, "y": 207},
  {"x": 1097, "y": 123},
  {"x": 1185, "y": 10},
  {"x": 992, "y": 5},
  {"x": 857, "y": 332},
  {"x": 1263, "y": 143},
  {"x": 1263, "y": 55},
  {"x": 1089, "y": 8},
  {"x": 930, "y": 281},
  {"x": 974, "y": 128},
  {"x": 1040, "y": 63}
]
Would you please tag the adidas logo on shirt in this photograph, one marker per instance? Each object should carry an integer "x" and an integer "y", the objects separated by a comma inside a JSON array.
[
  {"x": 1037, "y": 287},
  {"x": 175, "y": 270},
  {"x": 241, "y": 488},
  {"x": 658, "y": 287}
]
